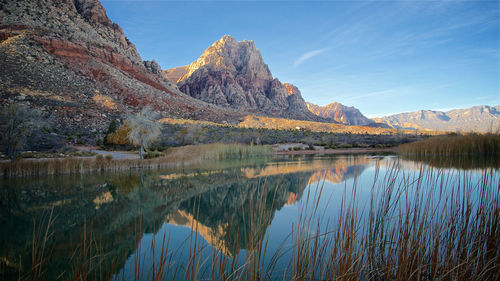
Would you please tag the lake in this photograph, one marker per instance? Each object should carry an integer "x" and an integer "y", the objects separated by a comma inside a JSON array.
[{"x": 261, "y": 218}]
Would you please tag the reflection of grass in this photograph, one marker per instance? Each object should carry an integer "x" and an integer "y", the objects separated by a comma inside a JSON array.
[
  {"x": 459, "y": 162},
  {"x": 414, "y": 227},
  {"x": 486, "y": 145},
  {"x": 175, "y": 157}
]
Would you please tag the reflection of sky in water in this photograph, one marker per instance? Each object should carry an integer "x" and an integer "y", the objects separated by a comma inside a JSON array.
[
  {"x": 328, "y": 185},
  {"x": 224, "y": 196}
]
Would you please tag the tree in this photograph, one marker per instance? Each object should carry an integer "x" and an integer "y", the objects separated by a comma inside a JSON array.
[
  {"x": 143, "y": 129},
  {"x": 17, "y": 123},
  {"x": 120, "y": 136}
]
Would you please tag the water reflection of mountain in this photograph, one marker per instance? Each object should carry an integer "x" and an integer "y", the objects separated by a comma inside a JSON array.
[
  {"x": 341, "y": 171},
  {"x": 223, "y": 219},
  {"x": 335, "y": 171},
  {"x": 112, "y": 205},
  {"x": 229, "y": 216}
]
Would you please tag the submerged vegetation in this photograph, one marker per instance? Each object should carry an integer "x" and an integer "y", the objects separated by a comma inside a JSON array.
[{"x": 431, "y": 224}]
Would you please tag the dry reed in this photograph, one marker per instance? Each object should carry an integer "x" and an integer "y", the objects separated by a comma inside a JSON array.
[
  {"x": 174, "y": 158},
  {"x": 483, "y": 145}
]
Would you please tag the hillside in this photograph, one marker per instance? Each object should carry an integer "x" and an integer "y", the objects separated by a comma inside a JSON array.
[
  {"x": 67, "y": 59},
  {"x": 474, "y": 119}
]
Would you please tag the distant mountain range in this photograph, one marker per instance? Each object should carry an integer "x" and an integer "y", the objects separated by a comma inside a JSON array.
[{"x": 474, "y": 119}]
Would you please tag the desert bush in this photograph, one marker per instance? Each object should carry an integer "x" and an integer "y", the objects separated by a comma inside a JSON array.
[
  {"x": 18, "y": 122},
  {"x": 119, "y": 137},
  {"x": 153, "y": 154}
]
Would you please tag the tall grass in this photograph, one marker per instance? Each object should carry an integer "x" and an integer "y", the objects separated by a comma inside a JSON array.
[
  {"x": 174, "y": 158},
  {"x": 228, "y": 151},
  {"x": 484, "y": 145},
  {"x": 428, "y": 225}
]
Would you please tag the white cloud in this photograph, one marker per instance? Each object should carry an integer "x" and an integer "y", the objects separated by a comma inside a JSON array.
[{"x": 307, "y": 56}]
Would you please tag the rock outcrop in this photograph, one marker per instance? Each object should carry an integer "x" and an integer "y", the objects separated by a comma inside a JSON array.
[
  {"x": 66, "y": 58},
  {"x": 474, "y": 119},
  {"x": 175, "y": 74},
  {"x": 233, "y": 74},
  {"x": 338, "y": 113}
]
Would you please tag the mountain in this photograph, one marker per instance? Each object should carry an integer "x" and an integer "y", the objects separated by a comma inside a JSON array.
[
  {"x": 474, "y": 119},
  {"x": 233, "y": 75},
  {"x": 67, "y": 59},
  {"x": 338, "y": 113}
]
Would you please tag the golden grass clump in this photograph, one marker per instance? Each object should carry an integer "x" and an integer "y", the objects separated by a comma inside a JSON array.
[{"x": 484, "y": 145}]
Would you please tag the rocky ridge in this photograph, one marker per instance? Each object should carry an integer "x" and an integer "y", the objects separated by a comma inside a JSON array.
[
  {"x": 474, "y": 119},
  {"x": 66, "y": 58},
  {"x": 233, "y": 74},
  {"x": 339, "y": 113}
]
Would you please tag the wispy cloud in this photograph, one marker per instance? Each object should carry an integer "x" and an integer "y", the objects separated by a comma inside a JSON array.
[
  {"x": 388, "y": 92},
  {"x": 308, "y": 56}
]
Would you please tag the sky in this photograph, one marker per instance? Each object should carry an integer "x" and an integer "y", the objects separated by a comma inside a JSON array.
[{"x": 382, "y": 57}]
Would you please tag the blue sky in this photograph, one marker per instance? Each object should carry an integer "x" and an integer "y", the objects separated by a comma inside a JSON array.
[{"x": 382, "y": 57}]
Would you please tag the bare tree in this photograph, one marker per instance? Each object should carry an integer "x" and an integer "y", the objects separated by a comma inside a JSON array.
[
  {"x": 143, "y": 129},
  {"x": 17, "y": 123}
]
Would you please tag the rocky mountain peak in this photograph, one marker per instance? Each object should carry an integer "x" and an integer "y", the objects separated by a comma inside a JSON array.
[
  {"x": 240, "y": 58},
  {"x": 233, "y": 74}
]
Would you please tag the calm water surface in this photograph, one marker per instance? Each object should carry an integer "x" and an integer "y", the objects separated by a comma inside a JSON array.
[{"x": 224, "y": 207}]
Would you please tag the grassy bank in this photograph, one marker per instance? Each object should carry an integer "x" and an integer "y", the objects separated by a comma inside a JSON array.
[
  {"x": 484, "y": 145},
  {"x": 414, "y": 227},
  {"x": 173, "y": 158}
]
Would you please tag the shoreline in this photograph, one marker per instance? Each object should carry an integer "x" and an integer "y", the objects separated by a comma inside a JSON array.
[
  {"x": 354, "y": 150},
  {"x": 131, "y": 155}
]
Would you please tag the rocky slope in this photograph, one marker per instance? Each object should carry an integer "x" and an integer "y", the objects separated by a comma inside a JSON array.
[
  {"x": 339, "y": 113},
  {"x": 474, "y": 119},
  {"x": 66, "y": 58},
  {"x": 233, "y": 74}
]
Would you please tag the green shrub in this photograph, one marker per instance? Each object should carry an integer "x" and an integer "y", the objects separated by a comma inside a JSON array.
[
  {"x": 108, "y": 157},
  {"x": 153, "y": 154},
  {"x": 159, "y": 148},
  {"x": 344, "y": 145}
]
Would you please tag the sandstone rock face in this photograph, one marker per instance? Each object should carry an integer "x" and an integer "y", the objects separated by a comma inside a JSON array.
[
  {"x": 339, "y": 113},
  {"x": 175, "y": 74},
  {"x": 474, "y": 119},
  {"x": 233, "y": 75},
  {"x": 66, "y": 58}
]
